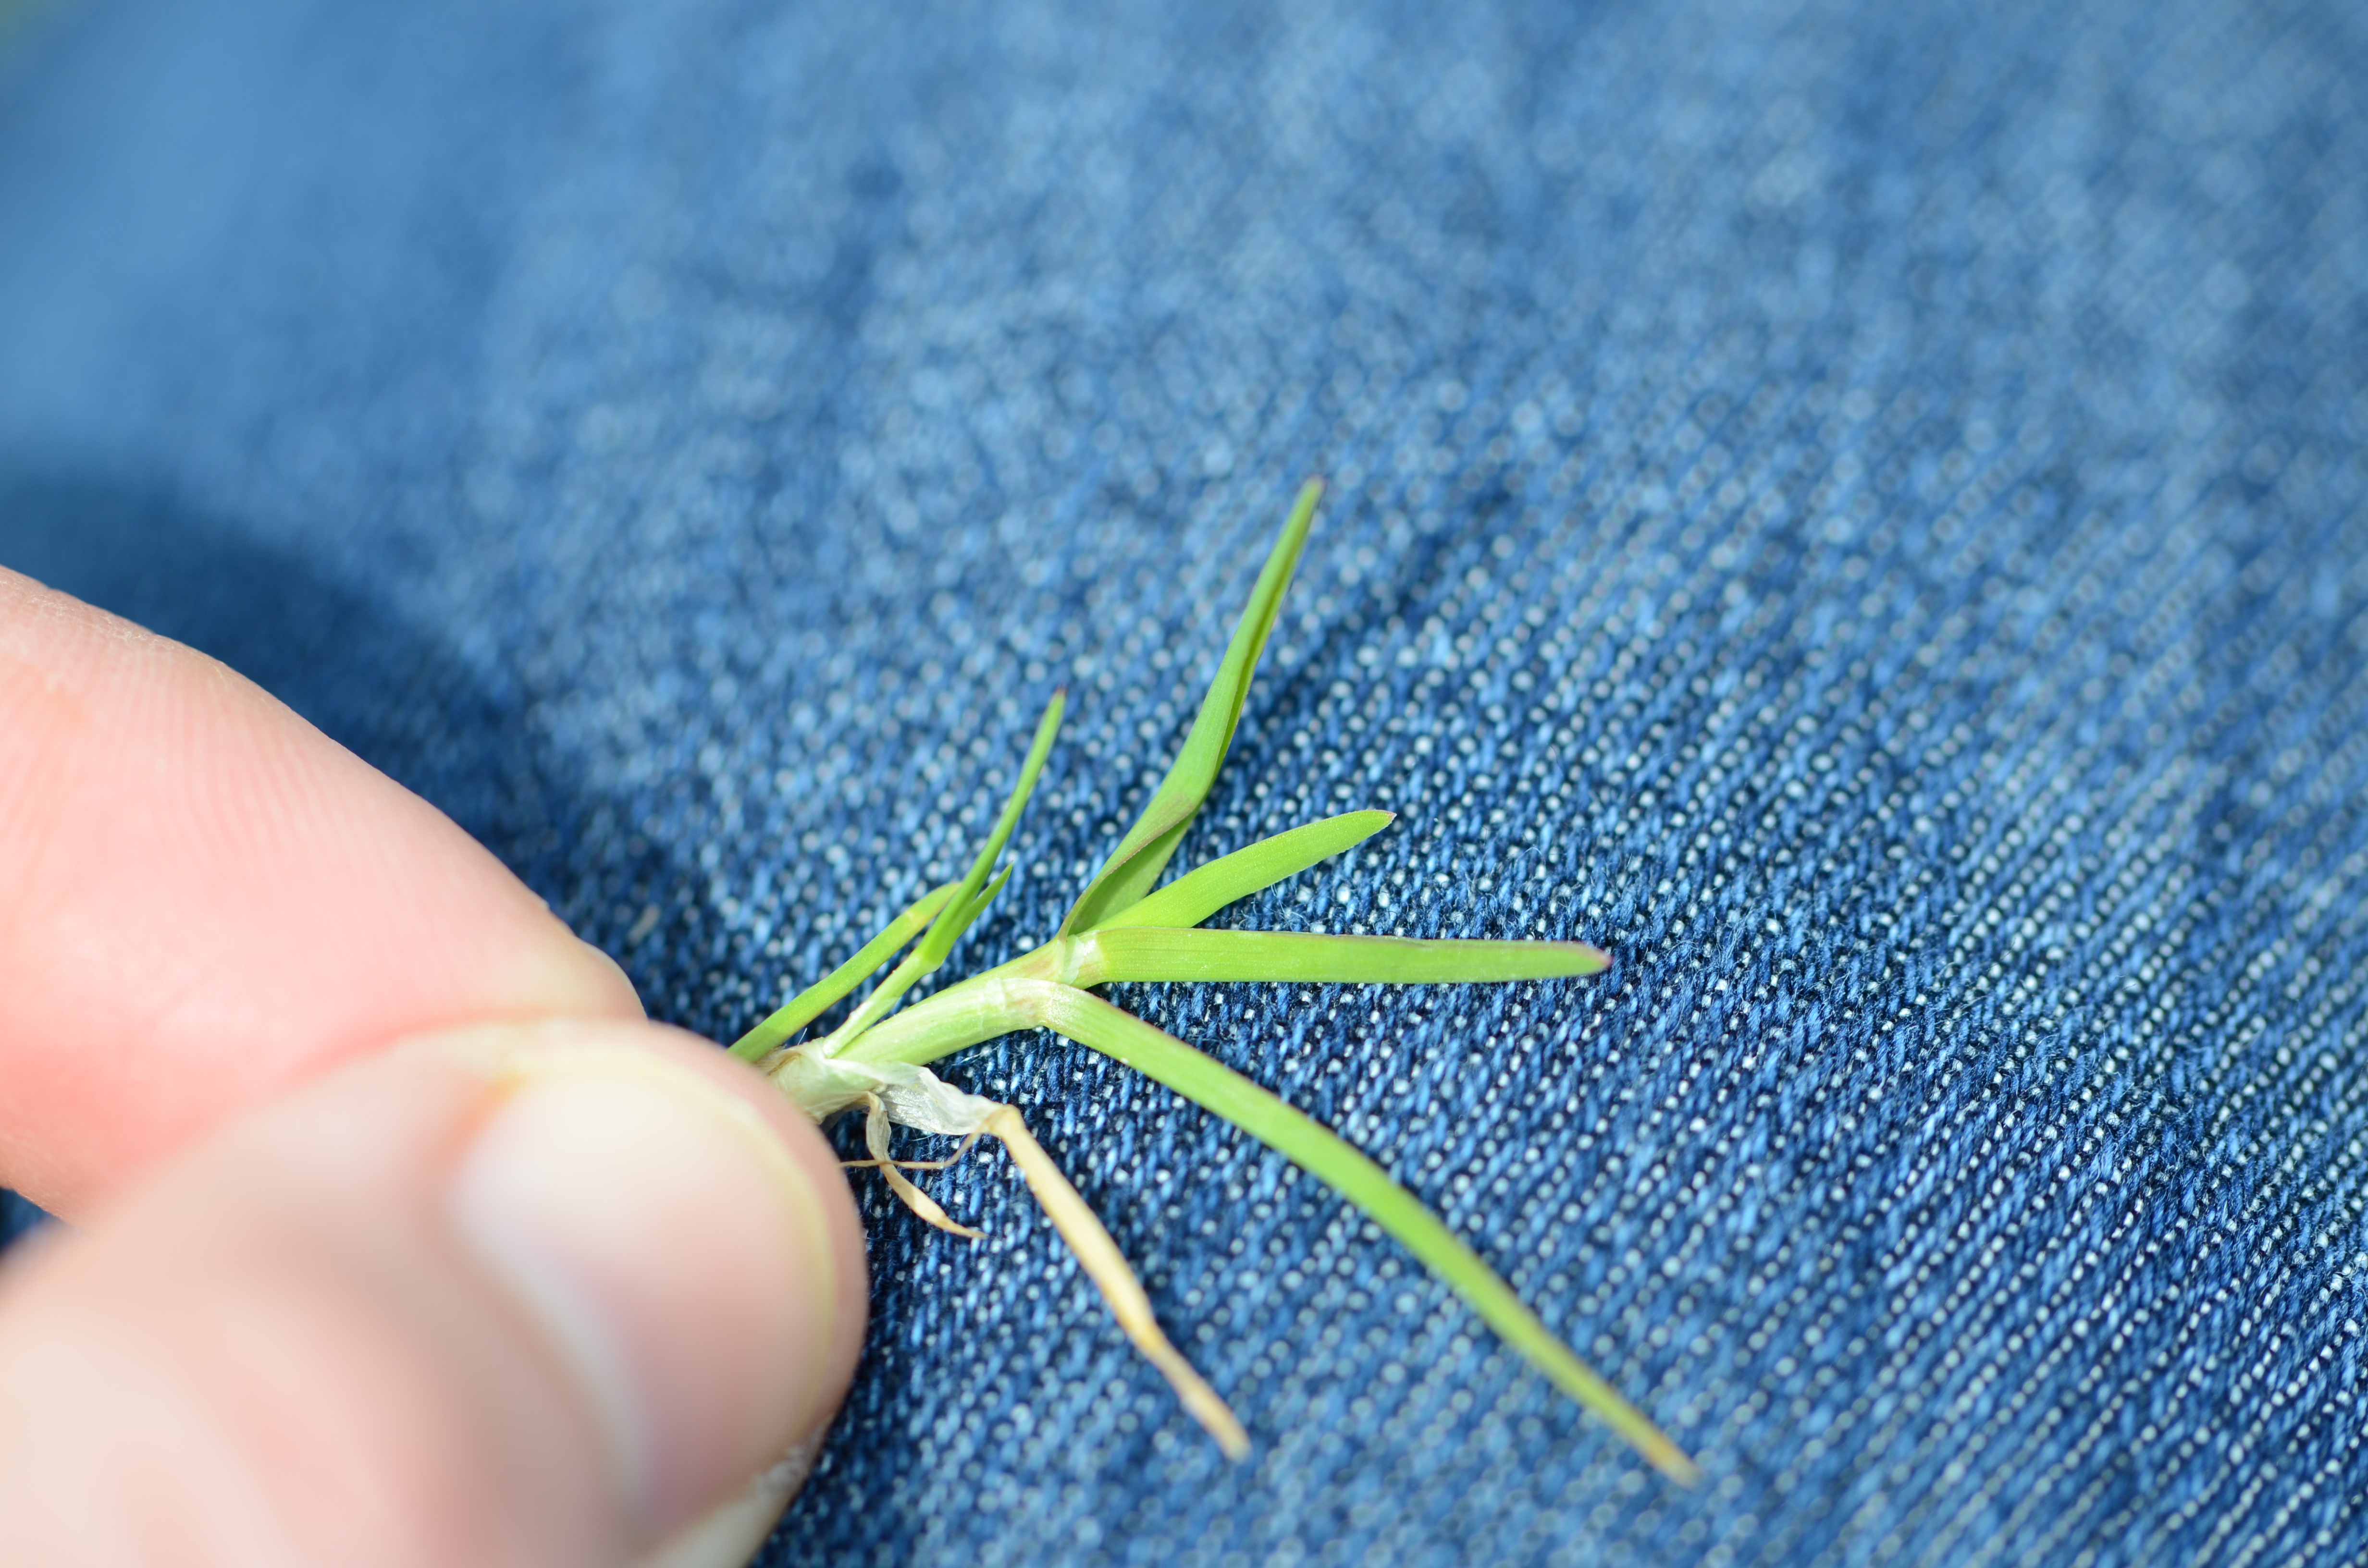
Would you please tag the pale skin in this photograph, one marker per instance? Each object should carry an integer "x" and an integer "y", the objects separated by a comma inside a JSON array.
[{"x": 399, "y": 1236}]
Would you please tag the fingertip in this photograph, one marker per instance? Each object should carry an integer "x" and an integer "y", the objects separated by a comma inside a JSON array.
[
  {"x": 207, "y": 900},
  {"x": 616, "y": 997},
  {"x": 537, "y": 1293},
  {"x": 598, "y": 1157},
  {"x": 502, "y": 1054}
]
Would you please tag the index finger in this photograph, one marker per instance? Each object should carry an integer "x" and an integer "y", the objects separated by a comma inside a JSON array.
[{"x": 203, "y": 898}]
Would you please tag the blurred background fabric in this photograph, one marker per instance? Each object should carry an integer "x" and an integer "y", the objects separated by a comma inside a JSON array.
[
  {"x": 1856, "y": 508},
  {"x": 17, "y": 1217}
]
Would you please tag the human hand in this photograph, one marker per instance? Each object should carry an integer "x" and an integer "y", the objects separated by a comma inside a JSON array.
[{"x": 404, "y": 1239}]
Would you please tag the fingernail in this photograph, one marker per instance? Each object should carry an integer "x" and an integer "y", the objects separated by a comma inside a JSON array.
[
  {"x": 730, "y": 1535},
  {"x": 659, "y": 1239}
]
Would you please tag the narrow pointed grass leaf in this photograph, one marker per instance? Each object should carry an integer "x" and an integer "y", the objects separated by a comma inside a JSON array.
[
  {"x": 965, "y": 905},
  {"x": 1134, "y": 866},
  {"x": 978, "y": 905},
  {"x": 1094, "y": 1023},
  {"x": 1150, "y": 952},
  {"x": 1201, "y": 892},
  {"x": 958, "y": 913},
  {"x": 815, "y": 999}
]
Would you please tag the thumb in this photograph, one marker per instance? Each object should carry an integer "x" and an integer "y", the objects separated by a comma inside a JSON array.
[{"x": 524, "y": 1294}]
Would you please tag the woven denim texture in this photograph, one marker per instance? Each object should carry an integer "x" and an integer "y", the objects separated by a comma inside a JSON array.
[{"x": 1857, "y": 510}]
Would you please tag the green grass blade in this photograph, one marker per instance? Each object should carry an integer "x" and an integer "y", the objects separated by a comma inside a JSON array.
[
  {"x": 1134, "y": 866},
  {"x": 1201, "y": 892},
  {"x": 958, "y": 913},
  {"x": 1153, "y": 1051},
  {"x": 978, "y": 905},
  {"x": 815, "y": 999},
  {"x": 967, "y": 902},
  {"x": 1150, "y": 952}
]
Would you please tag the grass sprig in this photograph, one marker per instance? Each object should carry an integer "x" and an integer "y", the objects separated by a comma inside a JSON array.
[{"x": 1124, "y": 926}]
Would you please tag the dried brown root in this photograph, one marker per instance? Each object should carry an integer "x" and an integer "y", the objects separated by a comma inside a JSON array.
[
  {"x": 947, "y": 1163},
  {"x": 1108, "y": 1268},
  {"x": 875, "y": 1138},
  {"x": 1097, "y": 1253}
]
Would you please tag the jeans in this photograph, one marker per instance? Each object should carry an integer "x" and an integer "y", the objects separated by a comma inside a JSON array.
[{"x": 1858, "y": 510}]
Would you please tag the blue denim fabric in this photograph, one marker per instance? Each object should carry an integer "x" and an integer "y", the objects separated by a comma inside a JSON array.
[
  {"x": 1857, "y": 510},
  {"x": 17, "y": 1217}
]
